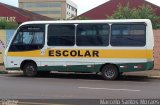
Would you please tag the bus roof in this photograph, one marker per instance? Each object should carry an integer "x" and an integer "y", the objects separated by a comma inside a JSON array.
[{"x": 88, "y": 21}]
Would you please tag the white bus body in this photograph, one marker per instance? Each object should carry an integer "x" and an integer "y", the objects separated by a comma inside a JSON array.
[{"x": 107, "y": 46}]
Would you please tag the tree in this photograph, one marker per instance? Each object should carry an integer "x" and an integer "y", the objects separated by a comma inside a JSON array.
[
  {"x": 81, "y": 18},
  {"x": 142, "y": 12},
  {"x": 7, "y": 25},
  {"x": 123, "y": 12}
]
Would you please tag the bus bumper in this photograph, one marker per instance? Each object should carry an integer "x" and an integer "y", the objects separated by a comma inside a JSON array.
[
  {"x": 150, "y": 65},
  {"x": 134, "y": 67}
]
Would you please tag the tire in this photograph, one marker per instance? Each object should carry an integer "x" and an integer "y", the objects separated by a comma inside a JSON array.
[
  {"x": 109, "y": 72},
  {"x": 30, "y": 70},
  {"x": 120, "y": 75}
]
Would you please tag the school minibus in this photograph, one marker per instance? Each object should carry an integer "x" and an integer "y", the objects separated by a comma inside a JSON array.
[{"x": 106, "y": 47}]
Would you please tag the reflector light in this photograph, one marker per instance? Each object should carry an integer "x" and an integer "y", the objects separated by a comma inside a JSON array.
[
  {"x": 123, "y": 66},
  {"x": 138, "y": 66}
]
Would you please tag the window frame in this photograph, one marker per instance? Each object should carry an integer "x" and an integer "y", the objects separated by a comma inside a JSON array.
[
  {"x": 47, "y": 12},
  {"x": 44, "y": 5},
  {"x": 129, "y": 23}
]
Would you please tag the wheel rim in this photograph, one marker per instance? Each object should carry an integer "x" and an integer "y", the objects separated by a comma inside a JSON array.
[
  {"x": 30, "y": 70},
  {"x": 109, "y": 72}
]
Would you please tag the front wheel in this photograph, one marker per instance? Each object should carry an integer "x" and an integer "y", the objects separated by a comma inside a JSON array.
[
  {"x": 30, "y": 70},
  {"x": 109, "y": 72}
]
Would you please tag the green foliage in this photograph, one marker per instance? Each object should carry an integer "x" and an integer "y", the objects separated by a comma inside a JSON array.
[
  {"x": 8, "y": 25},
  {"x": 142, "y": 12},
  {"x": 81, "y": 18},
  {"x": 122, "y": 13}
]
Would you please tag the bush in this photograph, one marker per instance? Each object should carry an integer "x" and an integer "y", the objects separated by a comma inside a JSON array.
[{"x": 8, "y": 25}]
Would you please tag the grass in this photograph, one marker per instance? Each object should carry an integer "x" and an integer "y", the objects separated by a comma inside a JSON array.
[{"x": 3, "y": 72}]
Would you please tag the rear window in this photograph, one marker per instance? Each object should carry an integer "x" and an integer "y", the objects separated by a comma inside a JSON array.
[{"x": 128, "y": 35}]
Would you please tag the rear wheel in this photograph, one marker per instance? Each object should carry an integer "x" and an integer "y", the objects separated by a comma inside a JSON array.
[
  {"x": 109, "y": 72},
  {"x": 30, "y": 70}
]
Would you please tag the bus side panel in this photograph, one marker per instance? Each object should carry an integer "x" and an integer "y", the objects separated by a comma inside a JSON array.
[{"x": 14, "y": 62}]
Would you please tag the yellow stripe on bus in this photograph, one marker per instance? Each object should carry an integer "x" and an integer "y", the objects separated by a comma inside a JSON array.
[{"x": 74, "y": 53}]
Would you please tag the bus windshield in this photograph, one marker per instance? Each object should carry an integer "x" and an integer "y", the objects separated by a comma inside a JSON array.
[{"x": 30, "y": 37}]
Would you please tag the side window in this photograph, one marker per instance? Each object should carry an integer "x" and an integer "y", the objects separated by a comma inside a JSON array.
[
  {"x": 92, "y": 35},
  {"x": 29, "y": 37},
  {"x": 128, "y": 35},
  {"x": 61, "y": 35}
]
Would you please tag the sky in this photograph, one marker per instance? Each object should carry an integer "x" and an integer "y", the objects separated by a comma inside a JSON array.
[{"x": 83, "y": 5}]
